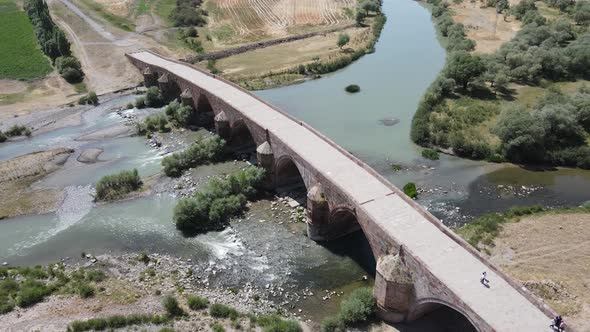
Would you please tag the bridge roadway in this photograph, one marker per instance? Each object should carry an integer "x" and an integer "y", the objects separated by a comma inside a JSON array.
[{"x": 501, "y": 306}]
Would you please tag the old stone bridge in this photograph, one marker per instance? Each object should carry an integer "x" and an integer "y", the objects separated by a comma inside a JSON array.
[{"x": 421, "y": 265}]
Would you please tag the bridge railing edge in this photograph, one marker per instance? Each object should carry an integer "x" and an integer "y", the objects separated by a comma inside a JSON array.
[{"x": 431, "y": 218}]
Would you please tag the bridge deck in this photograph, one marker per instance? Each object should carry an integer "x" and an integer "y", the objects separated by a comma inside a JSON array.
[{"x": 501, "y": 306}]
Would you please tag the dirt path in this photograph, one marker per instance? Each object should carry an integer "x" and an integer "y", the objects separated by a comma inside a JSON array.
[{"x": 551, "y": 255}]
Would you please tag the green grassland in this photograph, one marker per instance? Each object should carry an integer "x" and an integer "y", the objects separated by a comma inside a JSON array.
[{"x": 20, "y": 54}]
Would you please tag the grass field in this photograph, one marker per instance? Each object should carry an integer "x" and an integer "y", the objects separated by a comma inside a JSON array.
[{"x": 20, "y": 53}]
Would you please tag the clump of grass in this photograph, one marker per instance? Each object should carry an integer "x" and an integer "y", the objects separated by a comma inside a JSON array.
[
  {"x": 430, "y": 154},
  {"x": 410, "y": 190},
  {"x": 17, "y": 130},
  {"x": 172, "y": 308},
  {"x": 196, "y": 302},
  {"x": 352, "y": 88},
  {"x": 219, "y": 310}
]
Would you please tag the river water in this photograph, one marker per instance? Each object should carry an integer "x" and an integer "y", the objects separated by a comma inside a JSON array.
[{"x": 408, "y": 57}]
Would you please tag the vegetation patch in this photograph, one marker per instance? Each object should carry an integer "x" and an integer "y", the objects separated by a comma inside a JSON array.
[
  {"x": 152, "y": 98},
  {"x": 91, "y": 99},
  {"x": 430, "y": 154},
  {"x": 353, "y": 88},
  {"x": 218, "y": 200},
  {"x": 195, "y": 302},
  {"x": 467, "y": 108},
  {"x": 21, "y": 56},
  {"x": 358, "y": 307},
  {"x": 172, "y": 308},
  {"x": 219, "y": 310},
  {"x": 25, "y": 287},
  {"x": 206, "y": 150},
  {"x": 410, "y": 190},
  {"x": 482, "y": 231},
  {"x": 115, "y": 186},
  {"x": 275, "y": 323},
  {"x": 116, "y": 322}
]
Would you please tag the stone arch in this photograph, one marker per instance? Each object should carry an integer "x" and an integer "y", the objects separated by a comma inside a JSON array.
[
  {"x": 204, "y": 110},
  {"x": 428, "y": 305},
  {"x": 343, "y": 220},
  {"x": 241, "y": 138},
  {"x": 288, "y": 174},
  {"x": 169, "y": 87}
]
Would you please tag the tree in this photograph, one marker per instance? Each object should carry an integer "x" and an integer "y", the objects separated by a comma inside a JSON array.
[
  {"x": 343, "y": 39},
  {"x": 582, "y": 13},
  {"x": 464, "y": 67},
  {"x": 521, "y": 135},
  {"x": 501, "y": 6},
  {"x": 560, "y": 125}
]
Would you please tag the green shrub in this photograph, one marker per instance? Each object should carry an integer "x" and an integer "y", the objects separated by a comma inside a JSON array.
[
  {"x": 171, "y": 305},
  {"x": 410, "y": 190},
  {"x": 358, "y": 307},
  {"x": 85, "y": 290},
  {"x": 114, "y": 186},
  {"x": 153, "y": 123},
  {"x": 83, "y": 100},
  {"x": 92, "y": 98},
  {"x": 430, "y": 154},
  {"x": 95, "y": 275},
  {"x": 219, "y": 310},
  {"x": 353, "y": 88},
  {"x": 217, "y": 201},
  {"x": 196, "y": 302},
  {"x": 275, "y": 323},
  {"x": 3, "y": 137},
  {"x": 217, "y": 327},
  {"x": 205, "y": 150},
  {"x": 70, "y": 69},
  {"x": 31, "y": 292},
  {"x": 16, "y": 130},
  {"x": 140, "y": 102},
  {"x": 153, "y": 97},
  {"x": 129, "y": 106},
  {"x": 333, "y": 324}
]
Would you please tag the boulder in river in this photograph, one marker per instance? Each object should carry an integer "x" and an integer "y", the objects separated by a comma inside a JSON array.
[{"x": 89, "y": 156}]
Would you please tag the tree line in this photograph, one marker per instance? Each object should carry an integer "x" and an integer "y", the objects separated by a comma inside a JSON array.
[
  {"x": 53, "y": 41},
  {"x": 542, "y": 51}
]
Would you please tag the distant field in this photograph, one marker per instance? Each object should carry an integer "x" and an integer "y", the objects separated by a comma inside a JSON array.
[
  {"x": 243, "y": 20},
  {"x": 20, "y": 53}
]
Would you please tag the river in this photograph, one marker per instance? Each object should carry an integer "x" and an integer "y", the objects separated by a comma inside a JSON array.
[{"x": 408, "y": 57}]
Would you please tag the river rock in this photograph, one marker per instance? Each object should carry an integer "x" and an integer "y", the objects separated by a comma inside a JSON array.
[{"x": 89, "y": 156}]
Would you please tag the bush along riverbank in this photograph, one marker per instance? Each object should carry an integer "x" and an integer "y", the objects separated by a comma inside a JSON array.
[{"x": 525, "y": 103}]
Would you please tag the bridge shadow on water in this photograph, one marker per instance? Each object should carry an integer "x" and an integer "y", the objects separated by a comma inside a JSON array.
[{"x": 356, "y": 246}]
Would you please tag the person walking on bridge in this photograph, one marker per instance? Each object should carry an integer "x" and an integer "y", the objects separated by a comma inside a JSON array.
[{"x": 484, "y": 280}]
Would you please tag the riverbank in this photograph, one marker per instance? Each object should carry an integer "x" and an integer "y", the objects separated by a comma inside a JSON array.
[
  {"x": 137, "y": 284},
  {"x": 300, "y": 60},
  {"x": 473, "y": 108}
]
